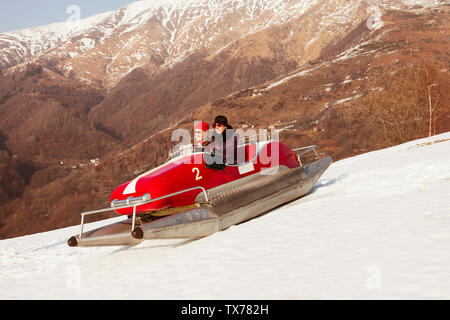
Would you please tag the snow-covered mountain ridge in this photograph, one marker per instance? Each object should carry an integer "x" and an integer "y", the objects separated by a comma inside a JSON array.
[
  {"x": 159, "y": 34},
  {"x": 165, "y": 31}
]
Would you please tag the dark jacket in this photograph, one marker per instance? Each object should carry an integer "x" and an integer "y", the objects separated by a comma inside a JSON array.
[
  {"x": 201, "y": 147},
  {"x": 228, "y": 142}
]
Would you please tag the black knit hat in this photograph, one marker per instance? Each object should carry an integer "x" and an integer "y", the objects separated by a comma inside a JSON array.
[{"x": 222, "y": 120}]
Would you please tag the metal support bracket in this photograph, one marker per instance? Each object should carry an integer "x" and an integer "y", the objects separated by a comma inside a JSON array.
[
  {"x": 305, "y": 150},
  {"x": 134, "y": 203}
]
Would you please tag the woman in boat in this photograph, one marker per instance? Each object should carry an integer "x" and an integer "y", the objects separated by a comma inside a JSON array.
[{"x": 224, "y": 141}]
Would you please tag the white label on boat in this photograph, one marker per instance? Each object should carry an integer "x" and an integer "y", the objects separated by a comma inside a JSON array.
[
  {"x": 245, "y": 168},
  {"x": 131, "y": 187}
]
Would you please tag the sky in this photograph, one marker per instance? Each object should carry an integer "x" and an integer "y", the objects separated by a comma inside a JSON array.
[{"x": 21, "y": 14}]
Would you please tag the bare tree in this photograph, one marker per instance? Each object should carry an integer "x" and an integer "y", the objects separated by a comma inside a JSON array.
[{"x": 402, "y": 107}]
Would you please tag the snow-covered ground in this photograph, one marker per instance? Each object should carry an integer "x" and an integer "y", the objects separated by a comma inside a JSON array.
[{"x": 375, "y": 226}]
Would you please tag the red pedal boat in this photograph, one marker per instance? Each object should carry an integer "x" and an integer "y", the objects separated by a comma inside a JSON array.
[{"x": 187, "y": 198}]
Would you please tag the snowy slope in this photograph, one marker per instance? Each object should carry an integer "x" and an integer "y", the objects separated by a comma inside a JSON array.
[{"x": 376, "y": 226}]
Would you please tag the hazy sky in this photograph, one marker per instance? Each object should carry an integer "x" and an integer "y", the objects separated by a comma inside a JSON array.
[{"x": 21, "y": 14}]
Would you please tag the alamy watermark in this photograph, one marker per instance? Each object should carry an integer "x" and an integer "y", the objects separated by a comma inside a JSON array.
[
  {"x": 230, "y": 148},
  {"x": 75, "y": 13},
  {"x": 373, "y": 281},
  {"x": 374, "y": 21},
  {"x": 73, "y": 273}
]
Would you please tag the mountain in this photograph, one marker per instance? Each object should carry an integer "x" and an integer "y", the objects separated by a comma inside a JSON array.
[
  {"x": 372, "y": 89},
  {"x": 87, "y": 105},
  {"x": 153, "y": 34},
  {"x": 374, "y": 227},
  {"x": 176, "y": 56},
  {"x": 157, "y": 35}
]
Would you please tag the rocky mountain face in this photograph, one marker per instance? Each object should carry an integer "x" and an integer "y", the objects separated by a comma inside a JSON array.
[
  {"x": 146, "y": 34},
  {"x": 86, "y": 105},
  {"x": 156, "y": 35},
  {"x": 372, "y": 89}
]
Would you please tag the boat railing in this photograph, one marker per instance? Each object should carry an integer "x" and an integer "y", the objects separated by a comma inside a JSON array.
[
  {"x": 301, "y": 151},
  {"x": 134, "y": 202},
  {"x": 263, "y": 136}
]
